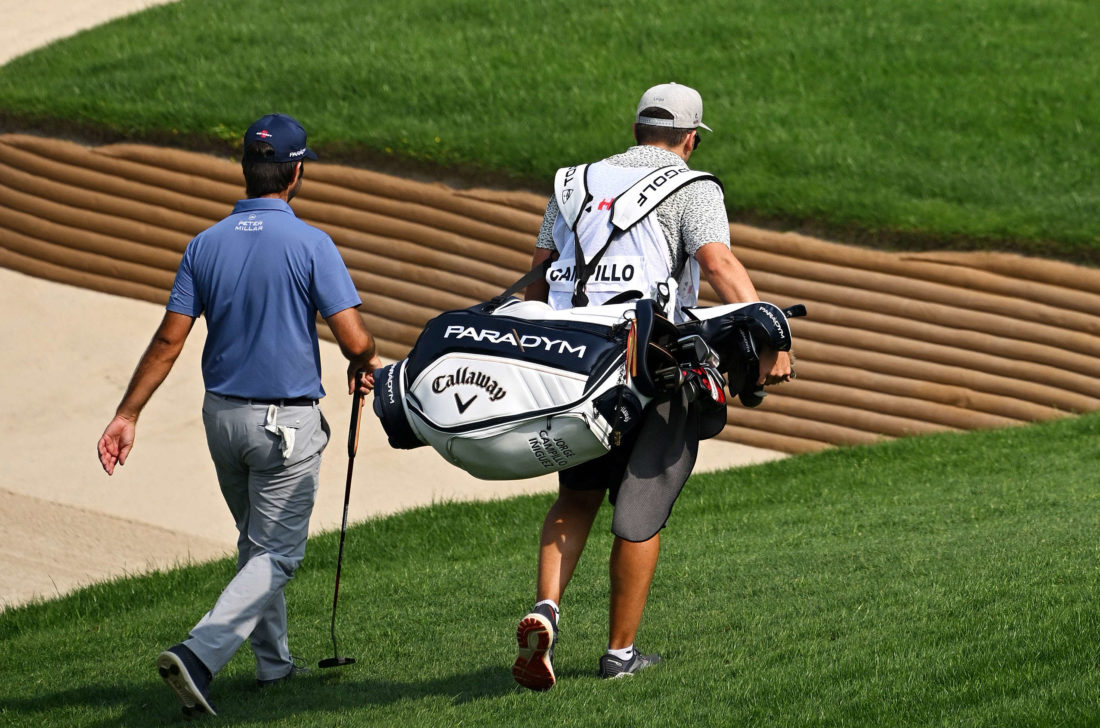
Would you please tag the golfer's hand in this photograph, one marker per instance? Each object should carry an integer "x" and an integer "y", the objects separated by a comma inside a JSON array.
[
  {"x": 775, "y": 368},
  {"x": 363, "y": 377},
  {"x": 115, "y": 443}
]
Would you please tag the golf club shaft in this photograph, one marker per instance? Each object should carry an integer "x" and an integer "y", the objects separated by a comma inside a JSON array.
[
  {"x": 353, "y": 446},
  {"x": 340, "y": 555}
]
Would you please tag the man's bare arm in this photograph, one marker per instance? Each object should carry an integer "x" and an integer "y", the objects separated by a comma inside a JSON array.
[
  {"x": 357, "y": 346},
  {"x": 118, "y": 438},
  {"x": 540, "y": 289}
]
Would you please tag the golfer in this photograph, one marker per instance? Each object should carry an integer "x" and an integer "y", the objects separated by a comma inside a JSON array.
[
  {"x": 260, "y": 277},
  {"x": 686, "y": 233}
]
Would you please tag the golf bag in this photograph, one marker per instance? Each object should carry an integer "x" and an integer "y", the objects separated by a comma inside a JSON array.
[{"x": 515, "y": 389}]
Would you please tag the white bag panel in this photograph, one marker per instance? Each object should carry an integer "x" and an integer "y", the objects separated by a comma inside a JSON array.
[
  {"x": 539, "y": 446},
  {"x": 462, "y": 390}
]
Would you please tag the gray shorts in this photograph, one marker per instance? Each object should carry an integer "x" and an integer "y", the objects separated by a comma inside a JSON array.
[{"x": 647, "y": 472}]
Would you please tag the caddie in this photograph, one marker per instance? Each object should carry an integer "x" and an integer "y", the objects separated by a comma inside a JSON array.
[{"x": 642, "y": 221}]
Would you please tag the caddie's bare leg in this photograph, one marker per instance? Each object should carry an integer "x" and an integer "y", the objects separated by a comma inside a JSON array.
[
  {"x": 632, "y": 567},
  {"x": 564, "y": 534}
]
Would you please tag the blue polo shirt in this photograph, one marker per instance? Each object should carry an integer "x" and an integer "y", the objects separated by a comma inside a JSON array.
[{"x": 260, "y": 276}]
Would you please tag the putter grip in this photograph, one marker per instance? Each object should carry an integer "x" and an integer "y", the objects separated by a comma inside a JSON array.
[{"x": 353, "y": 428}]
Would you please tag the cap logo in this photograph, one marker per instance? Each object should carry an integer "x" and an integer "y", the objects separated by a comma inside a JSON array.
[{"x": 264, "y": 134}]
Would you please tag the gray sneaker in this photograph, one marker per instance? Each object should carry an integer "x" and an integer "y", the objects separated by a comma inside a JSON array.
[
  {"x": 188, "y": 678},
  {"x": 612, "y": 667},
  {"x": 536, "y": 634}
]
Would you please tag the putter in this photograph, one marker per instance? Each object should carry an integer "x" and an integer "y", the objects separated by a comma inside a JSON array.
[{"x": 353, "y": 444}]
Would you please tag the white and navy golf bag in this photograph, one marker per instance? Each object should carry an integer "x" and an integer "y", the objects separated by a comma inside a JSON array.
[{"x": 515, "y": 389}]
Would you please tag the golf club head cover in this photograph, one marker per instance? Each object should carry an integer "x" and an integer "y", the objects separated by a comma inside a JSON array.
[
  {"x": 738, "y": 332},
  {"x": 742, "y": 371}
]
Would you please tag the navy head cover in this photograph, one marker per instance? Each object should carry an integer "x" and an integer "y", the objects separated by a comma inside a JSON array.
[{"x": 738, "y": 333}]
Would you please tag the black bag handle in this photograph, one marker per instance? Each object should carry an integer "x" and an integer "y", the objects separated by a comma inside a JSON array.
[{"x": 525, "y": 280}]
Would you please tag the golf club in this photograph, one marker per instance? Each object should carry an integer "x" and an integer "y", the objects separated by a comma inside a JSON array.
[{"x": 353, "y": 444}]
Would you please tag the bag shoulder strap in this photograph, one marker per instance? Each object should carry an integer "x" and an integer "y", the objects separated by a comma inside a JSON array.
[
  {"x": 640, "y": 199},
  {"x": 630, "y": 207},
  {"x": 525, "y": 280}
]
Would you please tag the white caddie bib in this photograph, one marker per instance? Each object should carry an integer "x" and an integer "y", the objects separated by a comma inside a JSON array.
[{"x": 606, "y": 212}]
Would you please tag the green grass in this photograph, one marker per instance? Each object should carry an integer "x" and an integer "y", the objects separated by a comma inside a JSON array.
[
  {"x": 932, "y": 581},
  {"x": 930, "y": 123}
]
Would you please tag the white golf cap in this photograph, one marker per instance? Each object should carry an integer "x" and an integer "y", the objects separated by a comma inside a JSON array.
[{"x": 683, "y": 102}]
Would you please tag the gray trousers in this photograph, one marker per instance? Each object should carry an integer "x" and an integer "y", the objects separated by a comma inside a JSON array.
[{"x": 270, "y": 493}]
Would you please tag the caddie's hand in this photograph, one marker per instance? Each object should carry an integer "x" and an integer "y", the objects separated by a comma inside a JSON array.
[
  {"x": 775, "y": 368},
  {"x": 361, "y": 377},
  {"x": 115, "y": 443}
]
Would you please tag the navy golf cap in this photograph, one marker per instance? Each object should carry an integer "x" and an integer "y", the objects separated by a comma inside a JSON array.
[{"x": 285, "y": 135}]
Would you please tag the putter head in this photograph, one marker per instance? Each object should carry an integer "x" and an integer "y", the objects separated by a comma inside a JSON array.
[{"x": 335, "y": 662}]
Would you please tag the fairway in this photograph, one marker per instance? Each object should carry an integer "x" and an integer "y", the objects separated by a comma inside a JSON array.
[{"x": 937, "y": 581}]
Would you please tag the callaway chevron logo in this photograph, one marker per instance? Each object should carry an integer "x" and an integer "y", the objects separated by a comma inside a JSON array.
[{"x": 465, "y": 375}]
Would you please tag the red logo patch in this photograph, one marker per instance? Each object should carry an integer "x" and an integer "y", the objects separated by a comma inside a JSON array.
[{"x": 264, "y": 134}]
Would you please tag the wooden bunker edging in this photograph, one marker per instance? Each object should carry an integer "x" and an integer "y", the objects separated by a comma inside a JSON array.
[{"x": 895, "y": 344}]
